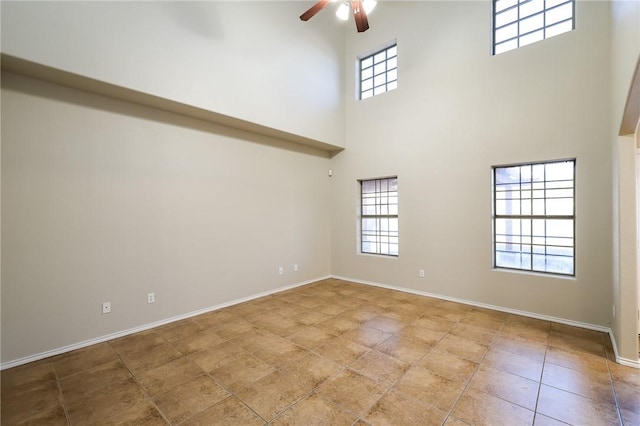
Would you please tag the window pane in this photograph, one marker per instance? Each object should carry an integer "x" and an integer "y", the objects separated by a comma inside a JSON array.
[
  {"x": 505, "y": 33},
  {"x": 506, "y": 46},
  {"x": 531, "y": 7},
  {"x": 531, "y": 38},
  {"x": 526, "y": 241},
  {"x": 379, "y": 223},
  {"x": 506, "y": 17},
  {"x": 504, "y": 4},
  {"x": 529, "y": 21},
  {"x": 531, "y": 24},
  {"x": 558, "y": 14},
  {"x": 383, "y": 68}
]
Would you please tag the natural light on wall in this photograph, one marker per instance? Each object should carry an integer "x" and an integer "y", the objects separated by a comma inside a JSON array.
[{"x": 517, "y": 23}]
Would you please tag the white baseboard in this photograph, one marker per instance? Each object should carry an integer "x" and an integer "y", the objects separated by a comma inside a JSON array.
[
  {"x": 111, "y": 336},
  {"x": 619, "y": 359}
]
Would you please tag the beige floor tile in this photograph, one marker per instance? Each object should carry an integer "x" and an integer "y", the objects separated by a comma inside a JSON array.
[
  {"x": 577, "y": 343},
  {"x": 188, "y": 399},
  {"x": 255, "y": 338},
  {"x": 79, "y": 385},
  {"x": 272, "y": 394},
  {"x": 405, "y": 349},
  {"x": 462, "y": 347},
  {"x": 479, "y": 408},
  {"x": 447, "y": 313},
  {"x": 152, "y": 357},
  {"x": 484, "y": 320},
  {"x": 434, "y": 323},
  {"x": 398, "y": 410},
  {"x": 422, "y": 384},
  {"x": 216, "y": 356},
  {"x": 54, "y": 416},
  {"x": 315, "y": 411},
  {"x": 448, "y": 366},
  {"x": 276, "y": 324},
  {"x": 214, "y": 319},
  {"x": 352, "y": 391},
  {"x": 520, "y": 346},
  {"x": 366, "y": 336},
  {"x": 357, "y": 315},
  {"x": 574, "y": 409},
  {"x": 452, "y": 421},
  {"x": 233, "y": 329},
  {"x": 622, "y": 373},
  {"x": 385, "y": 324},
  {"x": 311, "y": 337},
  {"x": 380, "y": 367},
  {"x": 109, "y": 402},
  {"x": 337, "y": 326},
  {"x": 542, "y": 420},
  {"x": 178, "y": 330},
  {"x": 512, "y": 388},
  {"x": 23, "y": 404},
  {"x": 83, "y": 359},
  {"x": 530, "y": 368},
  {"x": 312, "y": 370},
  {"x": 628, "y": 397},
  {"x": 242, "y": 370},
  {"x": 229, "y": 412},
  {"x": 280, "y": 352},
  {"x": 309, "y": 317},
  {"x": 533, "y": 333},
  {"x": 137, "y": 342},
  {"x": 167, "y": 376},
  {"x": 421, "y": 335},
  {"x": 594, "y": 385},
  {"x": 479, "y": 335},
  {"x": 26, "y": 377},
  {"x": 579, "y": 361},
  {"x": 197, "y": 341},
  {"x": 342, "y": 351}
]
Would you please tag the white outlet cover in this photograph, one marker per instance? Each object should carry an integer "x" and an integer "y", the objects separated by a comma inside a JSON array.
[{"x": 106, "y": 307}]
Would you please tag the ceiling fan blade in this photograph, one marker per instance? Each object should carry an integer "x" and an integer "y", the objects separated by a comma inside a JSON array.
[
  {"x": 314, "y": 9},
  {"x": 360, "y": 16}
]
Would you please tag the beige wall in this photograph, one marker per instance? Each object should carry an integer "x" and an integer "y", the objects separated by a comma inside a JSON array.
[
  {"x": 625, "y": 52},
  {"x": 252, "y": 60},
  {"x": 457, "y": 112},
  {"x": 107, "y": 201}
]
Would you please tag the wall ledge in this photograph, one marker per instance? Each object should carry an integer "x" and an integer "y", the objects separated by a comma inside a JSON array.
[{"x": 76, "y": 81}]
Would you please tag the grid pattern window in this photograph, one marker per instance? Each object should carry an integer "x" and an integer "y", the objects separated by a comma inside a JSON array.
[
  {"x": 517, "y": 23},
  {"x": 379, "y": 72},
  {"x": 379, "y": 216},
  {"x": 534, "y": 217}
]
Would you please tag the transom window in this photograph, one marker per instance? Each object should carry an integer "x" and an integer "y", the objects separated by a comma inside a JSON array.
[
  {"x": 534, "y": 217},
  {"x": 379, "y": 72},
  {"x": 379, "y": 216},
  {"x": 517, "y": 23}
]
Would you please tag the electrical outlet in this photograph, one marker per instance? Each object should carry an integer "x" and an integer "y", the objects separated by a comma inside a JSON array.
[
  {"x": 280, "y": 270},
  {"x": 151, "y": 297},
  {"x": 106, "y": 307},
  {"x": 421, "y": 273},
  {"x": 295, "y": 268}
]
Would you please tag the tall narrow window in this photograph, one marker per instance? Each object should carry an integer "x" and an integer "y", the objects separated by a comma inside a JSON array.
[
  {"x": 534, "y": 217},
  {"x": 379, "y": 72},
  {"x": 379, "y": 216},
  {"x": 517, "y": 23}
]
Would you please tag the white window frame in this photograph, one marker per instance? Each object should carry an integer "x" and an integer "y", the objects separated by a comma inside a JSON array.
[
  {"x": 517, "y": 23},
  {"x": 377, "y": 71},
  {"x": 379, "y": 220},
  {"x": 527, "y": 230}
]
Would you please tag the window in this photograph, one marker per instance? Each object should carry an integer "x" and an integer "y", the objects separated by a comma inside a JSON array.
[
  {"x": 517, "y": 23},
  {"x": 379, "y": 72},
  {"x": 534, "y": 217},
  {"x": 379, "y": 216}
]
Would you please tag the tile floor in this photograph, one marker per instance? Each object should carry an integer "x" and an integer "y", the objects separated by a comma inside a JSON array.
[{"x": 334, "y": 353}]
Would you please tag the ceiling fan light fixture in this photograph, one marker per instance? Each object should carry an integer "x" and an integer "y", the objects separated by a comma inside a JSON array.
[{"x": 343, "y": 11}]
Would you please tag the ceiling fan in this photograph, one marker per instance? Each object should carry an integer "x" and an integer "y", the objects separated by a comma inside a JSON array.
[{"x": 360, "y": 10}]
